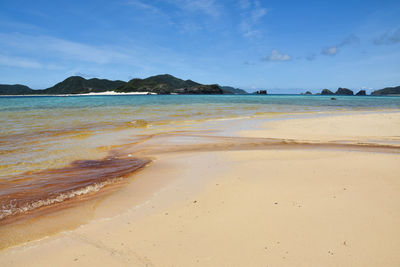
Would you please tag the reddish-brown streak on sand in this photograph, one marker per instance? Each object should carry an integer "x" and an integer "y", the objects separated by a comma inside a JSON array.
[{"x": 28, "y": 189}]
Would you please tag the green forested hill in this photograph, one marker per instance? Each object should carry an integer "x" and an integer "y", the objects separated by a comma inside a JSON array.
[
  {"x": 15, "y": 89},
  {"x": 167, "y": 84},
  {"x": 387, "y": 91},
  {"x": 79, "y": 85}
]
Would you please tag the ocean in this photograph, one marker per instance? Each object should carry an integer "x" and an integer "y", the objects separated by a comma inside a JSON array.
[{"x": 53, "y": 148}]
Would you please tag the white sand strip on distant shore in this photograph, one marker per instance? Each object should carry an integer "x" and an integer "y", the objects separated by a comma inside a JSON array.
[{"x": 117, "y": 93}]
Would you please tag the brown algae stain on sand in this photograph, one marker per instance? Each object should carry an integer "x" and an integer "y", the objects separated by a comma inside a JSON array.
[{"x": 30, "y": 192}]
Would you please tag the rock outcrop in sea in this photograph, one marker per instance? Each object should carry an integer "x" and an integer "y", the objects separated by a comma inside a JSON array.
[
  {"x": 327, "y": 92},
  {"x": 344, "y": 91},
  {"x": 361, "y": 93}
]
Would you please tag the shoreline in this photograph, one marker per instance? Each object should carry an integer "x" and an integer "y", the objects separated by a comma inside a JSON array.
[
  {"x": 187, "y": 183},
  {"x": 111, "y": 93},
  {"x": 89, "y": 94}
]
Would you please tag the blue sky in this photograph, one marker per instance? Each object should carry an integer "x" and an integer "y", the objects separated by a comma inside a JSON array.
[{"x": 282, "y": 46}]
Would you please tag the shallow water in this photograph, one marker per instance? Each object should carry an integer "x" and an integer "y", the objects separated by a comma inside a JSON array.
[{"x": 55, "y": 148}]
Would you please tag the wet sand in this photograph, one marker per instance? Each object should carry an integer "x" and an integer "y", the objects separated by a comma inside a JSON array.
[
  {"x": 33, "y": 192},
  {"x": 252, "y": 204}
]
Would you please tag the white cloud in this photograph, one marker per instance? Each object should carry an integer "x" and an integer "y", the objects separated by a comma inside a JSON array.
[{"x": 277, "y": 56}]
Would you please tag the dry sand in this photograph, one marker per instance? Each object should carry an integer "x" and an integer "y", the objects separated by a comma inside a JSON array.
[
  {"x": 382, "y": 127},
  {"x": 248, "y": 208}
]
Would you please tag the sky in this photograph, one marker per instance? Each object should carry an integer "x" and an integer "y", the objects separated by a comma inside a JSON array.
[{"x": 282, "y": 46}]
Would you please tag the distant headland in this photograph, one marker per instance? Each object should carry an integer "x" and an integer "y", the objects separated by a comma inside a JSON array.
[
  {"x": 163, "y": 84},
  {"x": 159, "y": 84}
]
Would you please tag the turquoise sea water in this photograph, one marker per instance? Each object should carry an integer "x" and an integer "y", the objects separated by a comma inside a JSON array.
[
  {"x": 41, "y": 133},
  {"x": 42, "y": 130},
  {"x": 23, "y": 115},
  {"x": 9, "y": 103}
]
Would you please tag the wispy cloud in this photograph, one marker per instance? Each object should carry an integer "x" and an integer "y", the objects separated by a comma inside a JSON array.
[
  {"x": 84, "y": 75},
  {"x": 51, "y": 53},
  {"x": 244, "y": 4},
  {"x": 18, "y": 26},
  {"x": 190, "y": 27},
  {"x": 275, "y": 55},
  {"x": 352, "y": 39},
  {"x": 60, "y": 48},
  {"x": 142, "y": 5},
  {"x": 251, "y": 15},
  {"x": 19, "y": 62},
  {"x": 207, "y": 7},
  {"x": 249, "y": 63},
  {"x": 182, "y": 14},
  {"x": 311, "y": 57},
  {"x": 330, "y": 51},
  {"x": 388, "y": 38},
  {"x": 334, "y": 49},
  {"x": 100, "y": 55}
]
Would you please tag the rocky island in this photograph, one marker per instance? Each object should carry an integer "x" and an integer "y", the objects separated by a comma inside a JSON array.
[
  {"x": 344, "y": 91},
  {"x": 361, "y": 93},
  {"x": 327, "y": 92}
]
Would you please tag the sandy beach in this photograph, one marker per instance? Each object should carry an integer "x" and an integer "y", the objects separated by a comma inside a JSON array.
[
  {"x": 252, "y": 205},
  {"x": 200, "y": 133}
]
